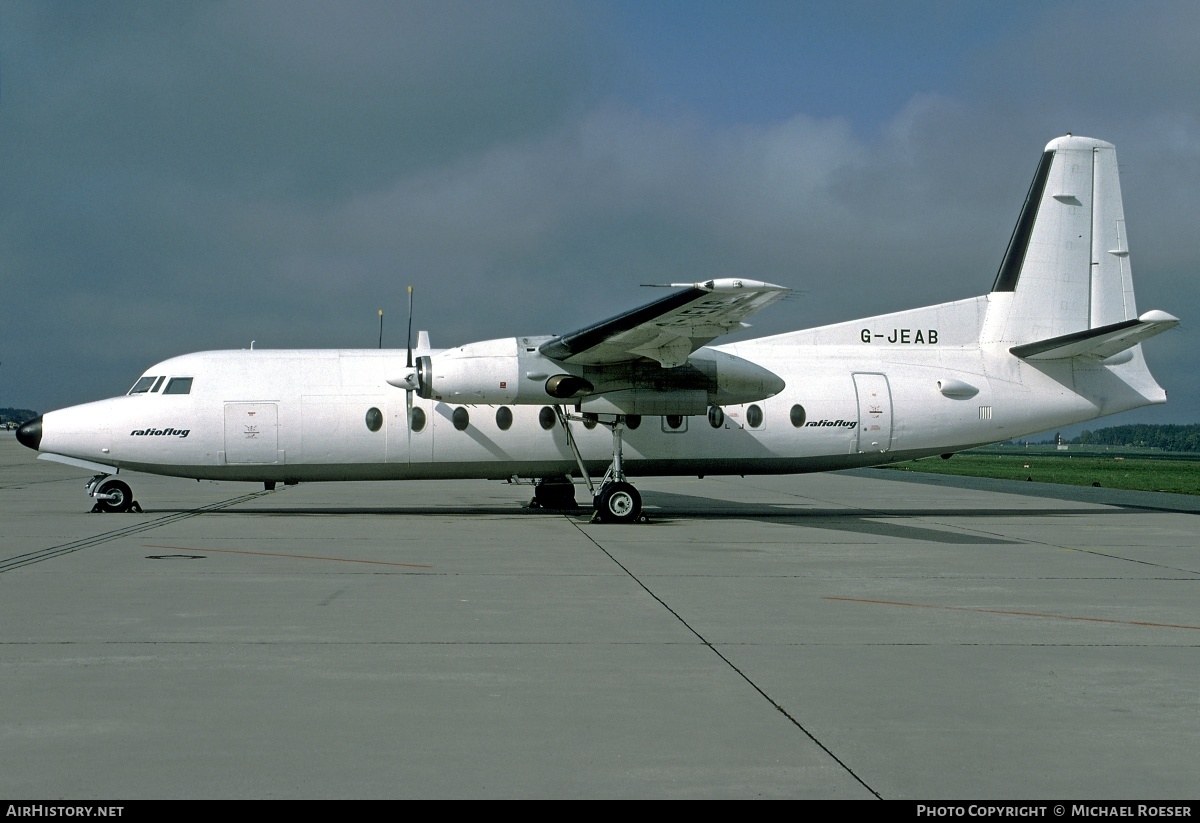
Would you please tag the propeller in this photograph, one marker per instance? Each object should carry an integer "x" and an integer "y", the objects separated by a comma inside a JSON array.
[
  {"x": 408, "y": 363},
  {"x": 408, "y": 380}
]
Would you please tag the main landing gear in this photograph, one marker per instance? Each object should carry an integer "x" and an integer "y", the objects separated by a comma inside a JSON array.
[
  {"x": 617, "y": 501},
  {"x": 111, "y": 495}
]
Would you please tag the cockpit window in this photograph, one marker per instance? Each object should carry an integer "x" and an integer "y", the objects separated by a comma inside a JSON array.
[
  {"x": 157, "y": 384},
  {"x": 178, "y": 385},
  {"x": 143, "y": 385}
]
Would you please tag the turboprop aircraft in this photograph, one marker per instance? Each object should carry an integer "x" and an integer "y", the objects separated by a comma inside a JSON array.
[{"x": 1056, "y": 341}]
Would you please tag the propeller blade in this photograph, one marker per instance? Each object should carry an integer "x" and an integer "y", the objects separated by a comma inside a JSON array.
[
  {"x": 409, "y": 339},
  {"x": 408, "y": 395}
]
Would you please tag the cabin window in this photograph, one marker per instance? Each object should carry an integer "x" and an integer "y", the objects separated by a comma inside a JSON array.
[
  {"x": 674, "y": 423},
  {"x": 547, "y": 418},
  {"x": 797, "y": 415},
  {"x": 754, "y": 417},
  {"x": 461, "y": 418},
  {"x": 716, "y": 417},
  {"x": 504, "y": 418},
  {"x": 632, "y": 421},
  {"x": 143, "y": 385},
  {"x": 418, "y": 420},
  {"x": 374, "y": 419},
  {"x": 178, "y": 385}
]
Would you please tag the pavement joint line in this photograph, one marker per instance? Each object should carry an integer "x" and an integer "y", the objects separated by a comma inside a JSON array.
[
  {"x": 1012, "y": 613},
  {"x": 777, "y": 706}
]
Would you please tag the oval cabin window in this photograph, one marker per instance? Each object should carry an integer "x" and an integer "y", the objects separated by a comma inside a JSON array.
[
  {"x": 504, "y": 418},
  {"x": 798, "y": 415}
]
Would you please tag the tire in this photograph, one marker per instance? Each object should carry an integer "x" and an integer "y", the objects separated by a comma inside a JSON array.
[
  {"x": 619, "y": 503},
  {"x": 122, "y": 502}
]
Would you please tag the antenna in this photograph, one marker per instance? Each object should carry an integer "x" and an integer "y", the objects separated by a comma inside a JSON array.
[{"x": 381, "y": 328}]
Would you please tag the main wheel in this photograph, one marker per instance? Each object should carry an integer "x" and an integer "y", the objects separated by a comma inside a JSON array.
[
  {"x": 120, "y": 496},
  {"x": 618, "y": 503}
]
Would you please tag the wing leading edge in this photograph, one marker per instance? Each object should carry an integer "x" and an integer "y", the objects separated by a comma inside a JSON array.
[{"x": 669, "y": 329}]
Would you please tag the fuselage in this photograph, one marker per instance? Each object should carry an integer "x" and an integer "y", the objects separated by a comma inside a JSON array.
[{"x": 855, "y": 394}]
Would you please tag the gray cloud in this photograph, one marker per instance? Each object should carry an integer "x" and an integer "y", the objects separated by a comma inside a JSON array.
[{"x": 188, "y": 176}]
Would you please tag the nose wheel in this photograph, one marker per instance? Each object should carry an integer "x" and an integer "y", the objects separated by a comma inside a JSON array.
[{"x": 111, "y": 495}]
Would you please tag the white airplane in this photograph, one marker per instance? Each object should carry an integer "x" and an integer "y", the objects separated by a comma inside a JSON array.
[{"x": 1056, "y": 341}]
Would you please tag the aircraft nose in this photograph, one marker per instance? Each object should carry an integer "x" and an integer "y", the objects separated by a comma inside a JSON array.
[{"x": 30, "y": 433}]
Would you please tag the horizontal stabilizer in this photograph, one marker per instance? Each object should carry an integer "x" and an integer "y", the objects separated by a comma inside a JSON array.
[{"x": 1098, "y": 343}]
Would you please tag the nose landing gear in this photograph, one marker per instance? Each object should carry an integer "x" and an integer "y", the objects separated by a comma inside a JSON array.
[{"x": 111, "y": 495}]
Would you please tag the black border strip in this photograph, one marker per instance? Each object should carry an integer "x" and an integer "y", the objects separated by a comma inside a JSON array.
[
  {"x": 1018, "y": 244},
  {"x": 1040, "y": 346},
  {"x": 566, "y": 345}
]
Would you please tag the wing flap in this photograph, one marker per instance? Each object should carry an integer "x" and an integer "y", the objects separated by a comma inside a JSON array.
[
  {"x": 668, "y": 329},
  {"x": 1099, "y": 343}
]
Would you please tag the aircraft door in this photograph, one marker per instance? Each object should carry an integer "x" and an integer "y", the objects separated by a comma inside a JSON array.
[
  {"x": 251, "y": 433},
  {"x": 874, "y": 412}
]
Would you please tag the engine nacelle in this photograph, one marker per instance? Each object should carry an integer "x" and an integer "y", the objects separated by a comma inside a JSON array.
[
  {"x": 735, "y": 380},
  {"x": 499, "y": 372},
  {"x": 485, "y": 372},
  {"x": 512, "y": 371}
]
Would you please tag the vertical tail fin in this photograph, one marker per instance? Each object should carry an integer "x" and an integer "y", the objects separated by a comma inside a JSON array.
[
  {"x": 1063, "y": 298},
  {"x": 1066, "y": 269}
]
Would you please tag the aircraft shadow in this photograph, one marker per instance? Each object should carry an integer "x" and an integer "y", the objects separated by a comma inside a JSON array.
[{"x": 665, "y": 507}]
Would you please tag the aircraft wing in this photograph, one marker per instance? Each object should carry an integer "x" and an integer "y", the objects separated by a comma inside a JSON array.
[{"x": 669, "y": 329}]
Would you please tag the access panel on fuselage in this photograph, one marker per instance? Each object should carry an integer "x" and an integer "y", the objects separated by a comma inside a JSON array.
[{"x": 251, "y": 433}]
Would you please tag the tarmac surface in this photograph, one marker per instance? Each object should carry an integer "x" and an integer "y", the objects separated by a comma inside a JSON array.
[{"x": 857, "y": 635}]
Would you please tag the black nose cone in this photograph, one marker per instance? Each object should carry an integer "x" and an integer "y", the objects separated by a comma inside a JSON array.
[{"x": 30, "y": 434}]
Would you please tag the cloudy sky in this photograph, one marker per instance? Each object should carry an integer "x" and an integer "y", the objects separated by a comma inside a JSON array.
[{"x": 196, "y": 175}]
